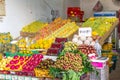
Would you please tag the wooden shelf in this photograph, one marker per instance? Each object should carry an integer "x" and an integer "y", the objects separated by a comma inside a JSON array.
[{"x": 107, "y": 34}]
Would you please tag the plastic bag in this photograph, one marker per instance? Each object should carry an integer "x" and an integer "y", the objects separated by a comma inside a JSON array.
[{"x": 98, "y": 7}]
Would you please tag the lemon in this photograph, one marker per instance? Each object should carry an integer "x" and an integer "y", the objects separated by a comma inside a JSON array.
[{"x": 94, "y": 33}]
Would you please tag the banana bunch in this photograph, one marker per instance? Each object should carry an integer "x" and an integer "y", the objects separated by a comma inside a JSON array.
[{"x": 107, "y": 46}]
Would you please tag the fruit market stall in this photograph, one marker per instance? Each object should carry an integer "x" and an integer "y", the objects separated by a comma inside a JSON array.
[
  {"x": 26, "y": 61},
  {"x": 37, "y": 67},
  {"x": 54, "y": 51}
]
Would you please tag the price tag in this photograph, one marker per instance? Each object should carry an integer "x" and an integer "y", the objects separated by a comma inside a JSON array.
[
  {"x": 21, "y": 77},
  {"x": 8, "y": 77},
  {"x": 28, "y": 78},
  {"x": 11, "y": 72},
  {"x": 2, "y": 76},
  {"x": 35, "y": 78},
  {"x": 85, "y": 31},
  {"x": 14, "y": 77}
]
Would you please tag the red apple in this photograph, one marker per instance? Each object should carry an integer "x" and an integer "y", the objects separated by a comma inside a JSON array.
[
  {"x": 40, "y": 56},
  {"x": 8, "y": 65},
  {"x": 16, "y": 57},
  {"x": 12, "y": 62},
  {"x": 12, "y": 67},
  {"x": 21, "y": 63},
  {"x": 17, "y": 66},
  {"x": 21, "y": 58},
  {"x": 16, "y": 61}
]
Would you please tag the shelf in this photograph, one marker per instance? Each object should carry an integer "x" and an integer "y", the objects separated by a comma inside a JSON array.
[{"x": 103, "y": 38}]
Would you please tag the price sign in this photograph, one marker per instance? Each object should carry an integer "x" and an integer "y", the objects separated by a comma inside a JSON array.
[
  {"x": 2, "y": 76},
  {"x": 14, "y": 77},
  {"x": 8, "y": 77},
  {"x": 12, "y": 72},
  {"x": 28, "y": 78},
  {"x": 21, "y": 77},
  {"x": 85, "y": 31},
  {"x": 35, "y": 78}
]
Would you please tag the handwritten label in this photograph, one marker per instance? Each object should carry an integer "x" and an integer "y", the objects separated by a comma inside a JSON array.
[
  {"x": 27, "y": 78},
  {"x": 85, "y": 31},
  {"x": 2, "y": 76},
  {"x": 12, "y": 72},
  {"x": 8, "y": 77},
  {"x": 14, "y": 77},
  {"x": 21, "y": 77},
  {"x": 35, "y": 78}
]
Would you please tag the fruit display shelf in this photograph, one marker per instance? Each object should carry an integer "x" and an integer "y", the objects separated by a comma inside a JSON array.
[
  {"x": 101, "y": 26},
  {"x": 28, "y": 73},
  {"x": 107, "y": 34},
  {"x": 51, "y": 28},
  {"x": 28, "y": 34},
  {"x": 10, "y": 54},
  {"x": 24, "y": 74},
  {"x": 65, "y": 31},
  {"x": 31, "y": 29}
]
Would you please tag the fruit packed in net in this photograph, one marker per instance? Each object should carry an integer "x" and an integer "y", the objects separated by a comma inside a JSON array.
[
  {"x": 69, "y": 61},
  {"x": 87, "y": 49},
  {"x": 45, "y": 64},
  {"x": 42, "y": 73},
  {"x": 70, "y": 46}
]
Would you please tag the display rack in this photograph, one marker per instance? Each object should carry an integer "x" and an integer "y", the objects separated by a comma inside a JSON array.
[
  {"x": 14, "y": 76},
  {"x": 103, "y": 38}
]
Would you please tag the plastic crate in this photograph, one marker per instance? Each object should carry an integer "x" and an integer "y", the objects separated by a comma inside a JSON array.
[
  {"x": 98, "y": 64},
  {"x": 9, "y": 54}
]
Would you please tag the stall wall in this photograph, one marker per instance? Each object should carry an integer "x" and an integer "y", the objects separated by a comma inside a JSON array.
[
  {"x": 21, "y": 12},
  {"x": 87, "y": 6},
  {"x": 70, "y": 3}
]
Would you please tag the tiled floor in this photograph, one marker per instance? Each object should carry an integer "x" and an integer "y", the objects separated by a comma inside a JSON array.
[{"x": 115, "y": 74}]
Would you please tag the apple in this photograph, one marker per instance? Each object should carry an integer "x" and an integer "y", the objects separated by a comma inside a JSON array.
[
  {"x": 32, "y": 59},
  {"x": 17, "y": 66},
  {"x": 16, "y": 61},
  {"x": 8, "y": 65},
  {"x": 21, "y": 58},
  {"x": 40, "y": 56},
  {"x": 12, "y": 67},
  {"x": 16, "y": 57},
  {"x": 12, "y": 62},
  {"x": 21, "y": 63}
]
